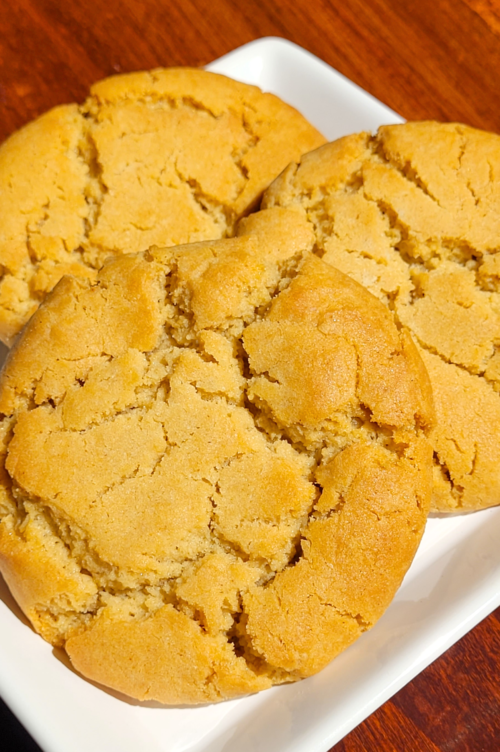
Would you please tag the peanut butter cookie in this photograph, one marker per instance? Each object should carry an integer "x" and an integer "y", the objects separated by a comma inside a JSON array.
[
  {"x": 214, "y": 468},
  {"x": 164, "y": 157},
  {"x": 413, "y": 213}
]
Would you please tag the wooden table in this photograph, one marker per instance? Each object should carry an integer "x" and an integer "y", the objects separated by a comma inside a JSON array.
[{"x": 435, "y": 59}]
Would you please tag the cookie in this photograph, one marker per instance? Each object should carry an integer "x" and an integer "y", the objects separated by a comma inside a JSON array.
[
  {"x": 167, "y": 156},
  {"x": 214, "y": 466},
  {"x": 413, "y": 213}
]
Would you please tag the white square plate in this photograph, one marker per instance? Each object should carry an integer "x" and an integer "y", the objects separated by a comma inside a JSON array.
[{"x": 453, "y": 583}]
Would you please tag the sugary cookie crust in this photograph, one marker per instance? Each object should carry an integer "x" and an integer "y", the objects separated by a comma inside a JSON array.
[
  {"x": 164, "y": 156},
  {"x": 413, "y": 213},
  {"x": 214, "y": 471}
]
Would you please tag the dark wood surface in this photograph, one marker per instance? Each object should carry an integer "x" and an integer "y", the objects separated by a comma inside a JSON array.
[{"x": 435, "y": 59}]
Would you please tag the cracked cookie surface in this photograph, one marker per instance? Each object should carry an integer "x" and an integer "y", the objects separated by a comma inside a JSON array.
[
  {"x": 167, "y": 156},
  {"x": 214, "y": 466},
  {"x": 413, "y": 213}
]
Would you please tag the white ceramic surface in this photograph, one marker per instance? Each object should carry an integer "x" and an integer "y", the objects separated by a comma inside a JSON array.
[{"x": 453, "y": 583}]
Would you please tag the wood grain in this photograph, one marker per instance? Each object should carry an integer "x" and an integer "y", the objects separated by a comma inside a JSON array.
[
  {"x": 424, "y": 58},
  {"x": 453, "y": 706}
]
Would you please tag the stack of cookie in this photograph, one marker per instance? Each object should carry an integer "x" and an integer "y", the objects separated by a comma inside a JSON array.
[{"x": 219, "y": 440}]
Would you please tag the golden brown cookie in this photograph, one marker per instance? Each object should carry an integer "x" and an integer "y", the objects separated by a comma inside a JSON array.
[
  {"x": 159, "y": 157},
  {"x": 413, "y": 213},
  {"x": 214, "y": 470}
]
